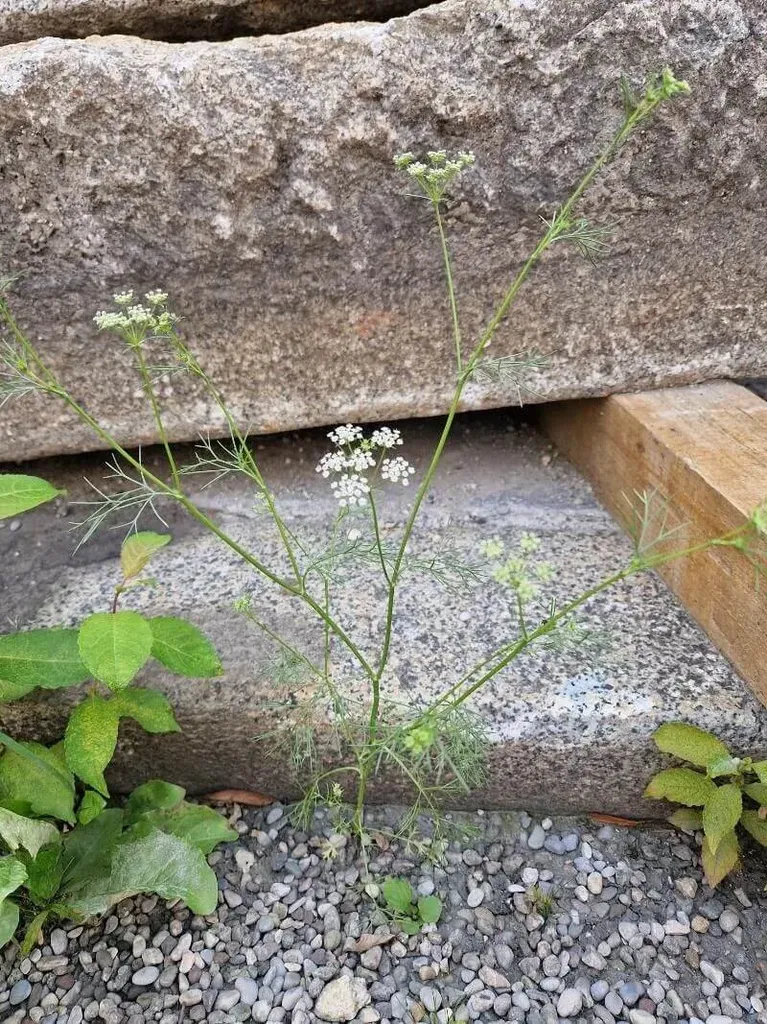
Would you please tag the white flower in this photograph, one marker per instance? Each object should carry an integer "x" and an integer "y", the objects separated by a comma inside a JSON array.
[
  {"x": 385, "y": 437},
  {"x": 359, "y": 459},
  {"x": 106, "y": 321},
  {"x": 141, "y": 315},
  {"x": 331, "y": 462},
  {"x": 397, "y": 470},
  {"x": 123, "y": 298},
  {"x": 351, "y": 489},
  {"x": 347, "y": 434},
  {"x": 354, "y": 535},
  {"x": 156, "y": 298}
]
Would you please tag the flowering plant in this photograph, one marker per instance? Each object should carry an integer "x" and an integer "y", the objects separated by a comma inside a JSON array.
[{"x": 440, "y": 746}]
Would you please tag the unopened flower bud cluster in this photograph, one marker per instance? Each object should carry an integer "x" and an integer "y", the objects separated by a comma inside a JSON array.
[{"x": 354, "y": 455}]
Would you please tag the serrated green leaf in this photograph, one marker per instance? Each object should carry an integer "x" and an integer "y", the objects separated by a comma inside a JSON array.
[
  {"x": 430, "y": 909},
  {"x": 398, "y": 894},
  {"x": 717, "y": 865},
  {"x": 40, "y": 786},
  {"x": 150, "y": 708},
  {"x": 155, "y": 863},
  {"x": 39, "y": 657},
  {"x": 17, "y": 832},
  {"x": 20, "y": 493},
  {"x": 137, "y": 550},
  {"x": 90, "y": 740},
  {"x": 183, "y": 649},
  {"x": 155, "y": 795},
  {"x": 755, "y": 826},
  {"x": 721, "y": 814},
  {"x": 114, "y": 646},
  {"x": 9, "y": 921},
  {"x": 689, "y": 743},
  {"x": 91, "y": 806},
  {"x": 760, "y": 769},
  {"x": 12, "y": 875},
  {"x": 45, "y": 872},
  {"x": 88, "y": 849},
  {"x": 688, "y": 819},
  {"x": 682, "y": 786},
  {"x": 201, "y": 826}
]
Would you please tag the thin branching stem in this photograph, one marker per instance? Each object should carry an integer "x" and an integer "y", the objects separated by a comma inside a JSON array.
[
  {"x": 149, "y": 391},
  {"x": 452, "y": 298}
]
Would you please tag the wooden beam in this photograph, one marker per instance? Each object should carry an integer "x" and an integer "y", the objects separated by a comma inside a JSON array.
[{"x": 704, "y": 449}]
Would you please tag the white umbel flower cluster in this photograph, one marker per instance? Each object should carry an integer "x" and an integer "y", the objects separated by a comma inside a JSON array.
[
  {"x": 396, "y": 470},
  {"x": 135, "y": 320},
  {"x": 355, "y": 455}
]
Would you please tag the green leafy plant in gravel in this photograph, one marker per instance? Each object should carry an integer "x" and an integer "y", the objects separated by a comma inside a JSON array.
[
  {"x": 68, "y": 855},
  {"x": 407, "y": 911},
  {"x": 436, "y": 747},
  {"x": 719, "y": 793}
]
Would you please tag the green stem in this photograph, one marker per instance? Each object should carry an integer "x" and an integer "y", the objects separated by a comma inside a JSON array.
[
  {"x": 450, "y": 284},
  {"x": 150, "y": 393},
  {"x": 210, "y": 525}
]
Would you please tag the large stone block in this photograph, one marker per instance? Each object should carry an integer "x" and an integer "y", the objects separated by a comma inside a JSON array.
[
  {"x": 253, "y": 179},
  {"x": 182, "y": 20},
  {"x": 566, "y": 732}
]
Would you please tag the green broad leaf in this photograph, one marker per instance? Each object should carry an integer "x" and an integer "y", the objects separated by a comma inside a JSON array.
[
  {"x": 682, "y": 786},
  {"x": 44, "y": 873},
  {"x": 150, "y": 708},
  {"x": 757, "y": 791},
  {"x": 725, "y": 766},
  {"x": 154, "y": 863},
  {"x": 91, "y": 806},
  {"x": 687, "y": 818},
  {"x": 12, "y": 875},
  {"x": 201, "y": 826},
  {"x": 9, "y": 921},
  {"x": 398, "y": 894},
  {"x": 88, "y": 849},
  {"x": 32, "y": 933},
  {"x": 760, "y": 770},
  {"x": 90, "y": 740},
  {"x": 138, "y": 549},
  {"x": 408, "y": 925},
  {"x": 721, "y": 814},
  {"x": 755, "y": 826},
  {"x": 183, "y": 649},
  {"x": 16, "y": 831},
  {"x": 114, "y": 646},
  {"x": 716, "y": 865},
  {"x": 19, "y": 493},
  {"x": 39, "y": 657},
  {"x": 155, "y": 795},
  {"x": 39, "y": 786},
  {"x": 689, "y": 743},
  {"x": 430, "y": 909}
]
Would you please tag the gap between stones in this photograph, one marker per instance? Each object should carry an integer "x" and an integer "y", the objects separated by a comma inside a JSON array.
[{"x": 207, "y": 22}]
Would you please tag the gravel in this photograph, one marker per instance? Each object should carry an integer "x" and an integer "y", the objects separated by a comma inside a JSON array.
[{"x": 632, "y": 934}]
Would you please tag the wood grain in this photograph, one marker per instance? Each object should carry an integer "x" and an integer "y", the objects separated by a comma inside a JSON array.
[{"x": 704, "y": 448}]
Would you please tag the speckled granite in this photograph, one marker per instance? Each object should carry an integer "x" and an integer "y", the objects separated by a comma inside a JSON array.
[{"x": 567, "y": 736}]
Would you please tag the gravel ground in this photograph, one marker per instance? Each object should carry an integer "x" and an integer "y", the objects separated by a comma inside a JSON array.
[{"x": 633, "y": 934}]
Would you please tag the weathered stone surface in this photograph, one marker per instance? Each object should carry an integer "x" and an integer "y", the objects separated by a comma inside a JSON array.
[
  {"x": 183, "y": 20},
  {"x": 566, "y": 734},
  {"x": 253, "y": 179}
]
